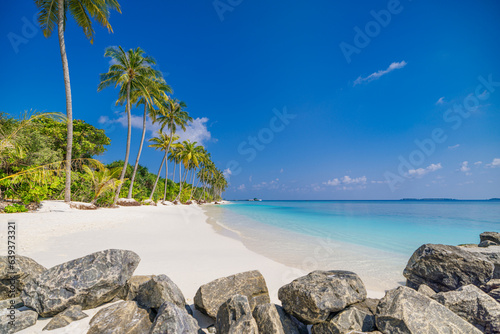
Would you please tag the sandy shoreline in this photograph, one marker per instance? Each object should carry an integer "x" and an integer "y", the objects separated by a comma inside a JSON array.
[{"x": 172, "y": 240}]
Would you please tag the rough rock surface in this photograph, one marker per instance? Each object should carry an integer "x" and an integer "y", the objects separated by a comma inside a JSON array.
[
  {"x": 473, "y": 305},
  {"x": 404, "y": 310},
  {"x": 15, "y": 302},
  {"x": 23, "y": 319},
  {"x": 350, "y": 319},
  {"x": 491, "y": 254},
  {"x": 24, "y": 269},
  {"x": 127, "y": 202},
  {"x": 129, "y": 291},
  {"x": 425, "y": 290},
  {"x": 82, "y": 206},
  {"x": 235, "y": 317},
  {"x": 313, "y": 297},
  {"x": 124, "y": 317},
  {"x": 63, "y": 319},
  {"x": 272, "y": 319},
  {"x": 495, "y": 294},
  {"x": 159, "y": 289},
  {"x": 445, "y": 268},
  {"x": 172, "y": 319},
  {"x": 369, "y": 305},
  {"x": 210, "y": 296},
  {"x": 487, "y": 243},
  {"x": 89, "y": 281},
  {"x": 494, "y": 237}
]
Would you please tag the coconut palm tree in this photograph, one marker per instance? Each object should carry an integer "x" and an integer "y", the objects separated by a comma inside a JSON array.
[
  {"x": 158, "y": 90},
  {"x": 190, "y": 155},
  {"x": 103, "y": 180},
  {"x": 163, "y": 143},
  {"x": 53, "y": 12},
  {"x": 131, "y": 70},
  {"x": 171, "y": 114}
]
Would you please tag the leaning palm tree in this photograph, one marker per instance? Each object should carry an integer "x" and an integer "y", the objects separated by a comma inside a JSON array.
[
  {"x": 190, "y": 155},
  {"x": 132, "y": 71},
  {"x": 171, "y": 114},
  {"x": 53, "y": 12},
  {"x": 158, "y": 90},
  {"x": 163, "y": 143}
]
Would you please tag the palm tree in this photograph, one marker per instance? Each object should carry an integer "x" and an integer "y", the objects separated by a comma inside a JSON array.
[
  {"x": 170, "y": 115},
  {"x": 132, "y": 70},
  {"x": 163, "y": 143},
  {"x": 190, "y": 155},
  {"x": 103, "y": 180},
  {"x": 53, "y": 12},
  {"x": 158, "y": 89}
]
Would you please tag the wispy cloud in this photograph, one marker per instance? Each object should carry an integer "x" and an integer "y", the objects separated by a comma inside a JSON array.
[
  {"x": 346, "y": 180},
  {"x": 423, "y": 171},
  {"x": 196, "y": 131},
  {"x": 495, "y": 163},
  {"x": 440, "y": 101},
  {"x": 464, "y": 167},
  {"x": 478, "y": 163},
  {"x": 454, "y": 147},
  {"x": 378, "y": 74},
  {"x": 241, "y": 187}
]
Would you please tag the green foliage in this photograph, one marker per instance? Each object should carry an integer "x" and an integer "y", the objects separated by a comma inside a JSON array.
[{"x": 13, "y": 208}]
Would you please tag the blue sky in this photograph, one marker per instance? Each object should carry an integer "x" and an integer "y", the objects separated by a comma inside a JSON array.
[{"x": 295, "y": 99}]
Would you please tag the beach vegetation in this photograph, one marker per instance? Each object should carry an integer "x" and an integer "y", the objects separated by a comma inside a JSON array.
[{"x": 15, "y": 207}]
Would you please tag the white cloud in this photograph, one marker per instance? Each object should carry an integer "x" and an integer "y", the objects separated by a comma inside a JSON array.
[
  {"x": 346, "y": 180},
  {"x": 378, "y": 74},
  {"x": 495, "y": 163},
  {"x": 227, "y": 172},
  {"x": 454, "y": 147},
  {"x": 196, "y": 131},
  {"x": 440, "y": 101},
  {"x": 478, "y": 163},
  {"x": 465, "y": 167},
  {"x": 281, "y": 171},
  {"x": 423, "y": 171},
  {"x": 241, "y": 187}
]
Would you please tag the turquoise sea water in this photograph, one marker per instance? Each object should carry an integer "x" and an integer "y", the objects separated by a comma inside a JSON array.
[{"x": 394, "y": 226}]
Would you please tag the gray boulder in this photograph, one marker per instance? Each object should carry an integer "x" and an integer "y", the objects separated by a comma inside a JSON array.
[
  {"x": 63, "y": 319},
  {"x": 425, "y": 290},
  {"x": 495, "y": 294},
  {"x": 172, "y": 319},
  {"x": 493, "y": 237},
  {"x": 12, "y": 321},
  {"x": 445, "y": 268},
  {"x": 491, "y": 254},
  {"x": 369, "y": 305},
  {"x": 473, "y": 305},
  {"x": 24, "y": 268},
  {"x": 313, "y": 297},
  {"x": 129, "y": 291},
  {"x": 159, "y": 289},
  {"x": 14, "y": 302},
  {"x": 405, "y": 311},
  {"x": 235, "y": 317},
  {"x": 251, "y": 284},
  {"x": 124, "y": 317},
  {"x": 487, "y": 243},
  {"x": 272, "y": 319},
  {"x": 349, "y": 320},
  {"x": 89, "y": 281}
]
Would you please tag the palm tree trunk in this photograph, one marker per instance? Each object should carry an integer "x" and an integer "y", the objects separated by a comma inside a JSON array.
[
  {"x": 190, "y": 196},
  {"x": 139, "y": 153},
  {"x": 192, "y": 185},
  {"x": 69, "y": 106},
  {"x": 127, "y": 151},
  {"x": 157, "y": 177},
  {"x": 180, "y": 182},
  {"x": 166, "y": 179}
]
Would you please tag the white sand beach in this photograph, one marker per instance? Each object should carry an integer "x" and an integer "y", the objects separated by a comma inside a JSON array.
[{"x": 172, "y": 240}]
